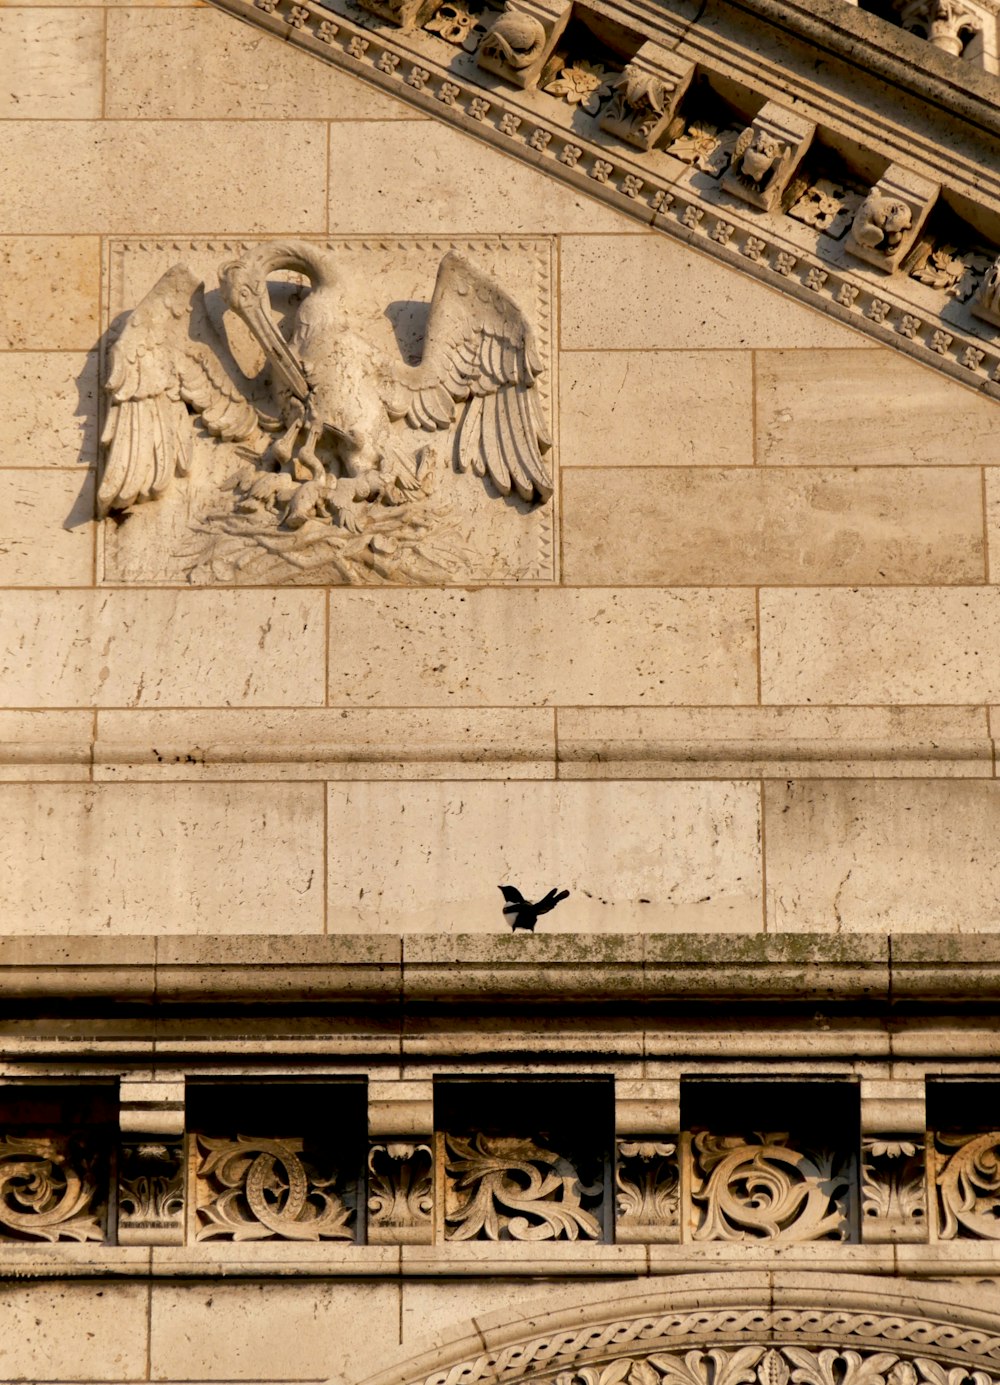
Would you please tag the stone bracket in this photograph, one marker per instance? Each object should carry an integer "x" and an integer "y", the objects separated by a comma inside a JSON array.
[
  {"x": 400, "y": 1110},
  {"x": 767, "y": 156},
  {"x": 648, "y": 1108},
  {"x": 889, "y": 220},
  {"x": 151, "y": 1164},
  {"x": 986, "y": 303},
  {"x": 892, "y": 1106},
  {"x": 646, "y": 96},
  {"x": 522, "y": 40}
]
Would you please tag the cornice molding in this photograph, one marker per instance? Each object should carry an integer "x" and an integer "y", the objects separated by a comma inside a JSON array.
[{"x": 695, "y": 206}]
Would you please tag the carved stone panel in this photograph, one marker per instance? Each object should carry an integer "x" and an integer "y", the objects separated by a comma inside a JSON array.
[
  {"x": 410, "y": 443},
  {"x": 887, "y": 223},
  {"x": 647, "y": 1191},
  {"x": 151, "y": 1193},
  {"x": 254, "y": 1188},
  {"x": 767, "y": 156},
  {"x": 893, "y": 1189},
  {"x": 968, "y": 1186},
  {"x": 512, "y": 1188},
  {"x": 400, "y": 1193},
  {"x": 769, "y": 1187},
  {"x": 51, "y": 1189}
]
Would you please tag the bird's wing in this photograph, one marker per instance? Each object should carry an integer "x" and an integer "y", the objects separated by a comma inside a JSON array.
[
  {"x": 480, "y": 354},
  {"x": 169, "y": 358},
  {"x": 511, "y": 894},
  {"x": 741, "y": 146}
]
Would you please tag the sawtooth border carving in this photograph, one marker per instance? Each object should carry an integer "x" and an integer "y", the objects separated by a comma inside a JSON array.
[{"x": 652, "y": 188}]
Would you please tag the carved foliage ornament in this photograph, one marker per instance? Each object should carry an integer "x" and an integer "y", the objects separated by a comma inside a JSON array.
[
  {"x": 48, "y": 1191},
  {"x": 759, "y": 1365},
  {"x": 343, "y": 454},
  {"x": 251, "y": 1189},
  {"x": 503, "y": 1188}
]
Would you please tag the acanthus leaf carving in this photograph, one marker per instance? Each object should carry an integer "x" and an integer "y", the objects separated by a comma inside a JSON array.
[
  {"x": 151, "y": 1193},
  {"x": 507, "y": 1188},
  {"x": 253, "y": 1188},
  {"x": 648, "y": 1191},
  {"x": 968, "y": 1183},
  {"x": 893, "y": 1193},
  {"x": 48, "y": 1190},
  {"x": 768, "y": 1189},
  {"x": 400, "y": 1192}
]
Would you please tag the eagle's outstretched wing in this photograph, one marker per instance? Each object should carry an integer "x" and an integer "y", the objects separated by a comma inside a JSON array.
[
  {"x": 168, "y": 356},
  {"x": 479, "y": 351}
]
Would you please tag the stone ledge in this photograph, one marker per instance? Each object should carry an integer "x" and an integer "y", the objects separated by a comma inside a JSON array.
[{"x": 430, "y": 968}]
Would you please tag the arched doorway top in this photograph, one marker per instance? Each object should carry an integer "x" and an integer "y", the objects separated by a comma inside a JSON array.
[{"x": 734, "y": 1329}]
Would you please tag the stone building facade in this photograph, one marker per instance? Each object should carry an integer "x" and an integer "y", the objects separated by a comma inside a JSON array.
[{"x": 551, "y": 448}]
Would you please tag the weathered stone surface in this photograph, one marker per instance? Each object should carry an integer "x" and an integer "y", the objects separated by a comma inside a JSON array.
[
  {"x": 45, "y": 745},
  {"x": 145, "y": 858},
  {"x": 679, "y": 856},
  {"x": 51, "y": 291},
  {"x": 332, "y": 743},
  {"x": 890, "y": 857},
  {"x": 662, "y": 295},
  {"x": 82, "y": 1331},
  {"x": 134, "y": 649},
  {"x": 541, "y": 646},
  {"x": 50, "y": 408},
  {"x": 51, "y": 64},
  {"x": 899, "y": 414},
  {"x": 476, "y": 190},
  {"x": 774, "y": 742},
  {"x": 219, "y": 70},
  {"x": 822, "y": 524},
  {"x": 46, "y": 528},
  {"x": 107, "y": 177},
  {"x": 656, "y": 408},
  {"x": 272, "y": 1330},
  {"x": 907, "y": 645}
]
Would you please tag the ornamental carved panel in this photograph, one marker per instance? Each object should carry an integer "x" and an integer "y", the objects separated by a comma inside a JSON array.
[{"x": 328, "y": 412}]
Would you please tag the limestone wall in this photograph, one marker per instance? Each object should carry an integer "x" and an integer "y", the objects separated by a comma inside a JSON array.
[{"x": 756, "y": 694}]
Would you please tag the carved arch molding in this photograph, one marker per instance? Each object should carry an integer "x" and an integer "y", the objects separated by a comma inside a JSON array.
[{"x": 849, "y": 1331}]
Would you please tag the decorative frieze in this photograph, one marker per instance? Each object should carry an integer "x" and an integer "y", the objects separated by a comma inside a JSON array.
[
  {"x": 51, "y": 1189},
  {"x": 254, "y": 1188},
  {"x": 968, "y": 1185},
  {"x": 769, "y": 1188},
  {"x": 510, "y": 1188},
  {"x": 400, "y": 1193},
  {"x": 647, "y": 1191}
]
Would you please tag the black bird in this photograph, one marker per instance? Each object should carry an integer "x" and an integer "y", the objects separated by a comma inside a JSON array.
[{"x": 525, "y": 914}]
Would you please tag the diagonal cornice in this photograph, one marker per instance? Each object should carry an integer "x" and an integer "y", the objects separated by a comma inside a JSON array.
[{"x": 890, "y": 100}]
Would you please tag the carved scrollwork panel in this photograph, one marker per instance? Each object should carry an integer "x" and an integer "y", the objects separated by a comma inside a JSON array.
[
  {"x": 968, "y": 1186},
  {"x": 508, "y": 1188},
  {"x": 400, "y": 1193},
  {"x": 768, "y": 1188},
  {"x": 761, "y": 1365},
  {"x": 251, "y": 1189},
  {"x": 50, "y": 1190}
]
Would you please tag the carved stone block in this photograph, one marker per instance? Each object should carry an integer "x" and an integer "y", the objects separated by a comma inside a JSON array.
[
  {"x": 647, "y": 1191},
  {"x": 645, "y": 96},
  {"x": 769, "y": 1187},
  {"x": 400, "y": 1193},
  {"x": 151, "y": 1167},
  {"x": 434, "y": 481},
  {"x": 967, "y": 1176},
  {"x": 405, "y": 14},
  {"x": 512, "y": 1188},
  {"x": 887, "y": 223},
  {"x": 254, "y": 1188},
  {"x": 51, "y": 1189},
  {"x": 151, "y": 1194},
  {"x": 986, "y": 302},
  {"x": 767, "y": 156},
  {"x": 893, "y": 1189},
  {"x": 518, "y": 45}
]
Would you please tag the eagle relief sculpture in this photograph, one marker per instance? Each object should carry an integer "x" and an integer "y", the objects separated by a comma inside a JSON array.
[{"x": 343, "y": 459}]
